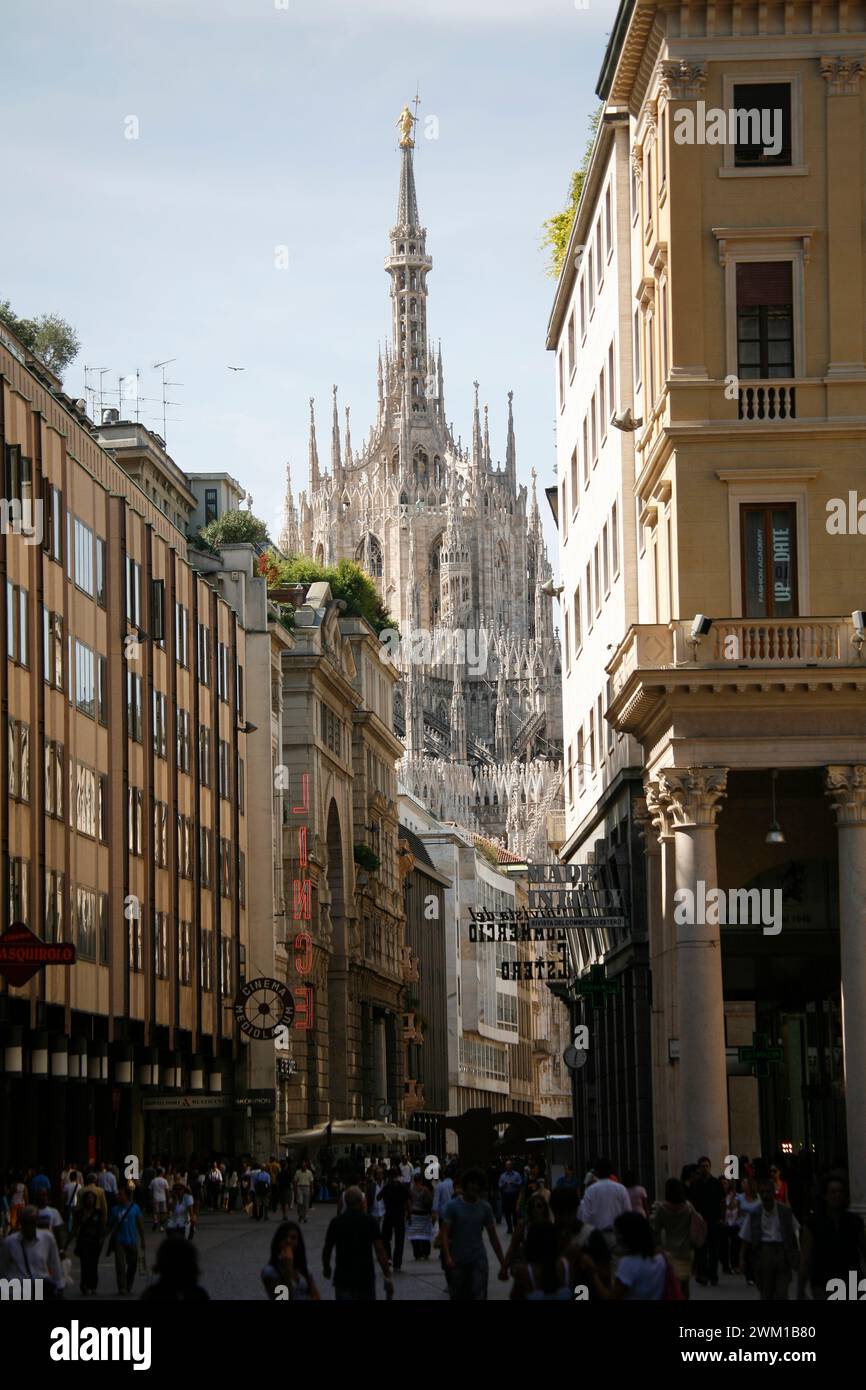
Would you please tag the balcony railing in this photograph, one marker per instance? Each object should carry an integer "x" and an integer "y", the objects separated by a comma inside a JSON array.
[
  {"x": 768, "y": 400},
  {"x": 733, "y": 642}
]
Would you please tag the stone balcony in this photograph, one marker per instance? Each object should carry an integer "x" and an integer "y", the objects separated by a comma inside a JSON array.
[
  {"x": 752, "y": 692},
  {"x": 414, "y": 1096},
  {"x": 412, "y": 1033},
  {"x": 410, "y": 967},
  {"x": 736, "y": 643}
]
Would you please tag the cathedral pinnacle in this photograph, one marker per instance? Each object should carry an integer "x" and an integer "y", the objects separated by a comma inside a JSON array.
[{"x": 314, "y": 453}]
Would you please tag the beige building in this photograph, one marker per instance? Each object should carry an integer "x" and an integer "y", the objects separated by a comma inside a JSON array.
[
  {"x": 124, "y": 827},
  {"x": 336, "y": 780},
  {"x": 749, "y": 389}
]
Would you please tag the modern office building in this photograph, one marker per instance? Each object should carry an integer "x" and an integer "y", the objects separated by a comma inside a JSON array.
[{"x": 124, "y": 827}]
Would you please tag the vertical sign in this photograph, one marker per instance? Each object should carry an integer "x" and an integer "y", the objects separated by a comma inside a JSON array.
[{"x": 302, "y": 897}]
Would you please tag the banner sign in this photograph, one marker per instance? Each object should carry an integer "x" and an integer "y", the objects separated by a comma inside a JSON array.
[{"x": 22, "y": 954}]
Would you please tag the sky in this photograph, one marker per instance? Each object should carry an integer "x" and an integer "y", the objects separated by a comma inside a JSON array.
[{"x": 214, "y": 181}]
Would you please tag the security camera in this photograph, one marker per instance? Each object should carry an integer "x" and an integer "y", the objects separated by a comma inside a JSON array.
[{"x": 700, "y": 627}]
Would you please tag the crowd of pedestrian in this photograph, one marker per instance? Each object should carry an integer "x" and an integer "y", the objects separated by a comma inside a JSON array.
[{"x": 598, "y": 1239}]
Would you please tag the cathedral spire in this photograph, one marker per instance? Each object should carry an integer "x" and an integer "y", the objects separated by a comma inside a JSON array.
[
  {"x": 510, "y": 449},
  {"x": 314, "y": 453},
  {"x": 408, "y": 266},
  {"x": 534, "y": 515},
  {"x": 407, "y": 198},
  {"x": 336, "y": 463},
  {"x": 290, "y": 538},
  {"x": 476, "y": 430},
  {"x": 348, "y": 441},
  {"x": 486, "y": 440},
  {"x": 502, "y": 732},
  {"x": 458, "y": 719},
  {"x": 440, "y": 385}
]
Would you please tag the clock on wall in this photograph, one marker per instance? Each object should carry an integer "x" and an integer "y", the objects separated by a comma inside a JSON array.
[{"x": 262, "y": 1007}]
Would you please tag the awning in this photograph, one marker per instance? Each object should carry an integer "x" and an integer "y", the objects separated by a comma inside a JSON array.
[{"x": 352, "y": 1132}]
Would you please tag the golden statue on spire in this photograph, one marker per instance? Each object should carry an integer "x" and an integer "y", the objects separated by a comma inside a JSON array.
[{"x": 405, "y": 123}]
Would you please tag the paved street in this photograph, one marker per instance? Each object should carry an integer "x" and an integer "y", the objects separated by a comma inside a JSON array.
[{"x": 232, "y": 1250}]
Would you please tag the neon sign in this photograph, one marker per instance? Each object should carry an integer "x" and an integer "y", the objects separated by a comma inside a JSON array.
[{"x": 302, "y": 901}]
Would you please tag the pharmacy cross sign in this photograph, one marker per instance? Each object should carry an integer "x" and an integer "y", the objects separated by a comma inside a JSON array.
[
  {"x": 760, "y": 1055},
  {"x": 597, "y": 988}
]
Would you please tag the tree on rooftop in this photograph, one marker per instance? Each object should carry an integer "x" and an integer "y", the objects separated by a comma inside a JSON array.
[
  {"x": 557, "y": 229},
  {"x": 49, "y": 337},
  {"x": 347, "y": 580},
  {"x": 234, "y": 528}
]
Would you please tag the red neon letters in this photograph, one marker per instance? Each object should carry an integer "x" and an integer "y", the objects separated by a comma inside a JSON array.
[{"x": 302, "y": 901}]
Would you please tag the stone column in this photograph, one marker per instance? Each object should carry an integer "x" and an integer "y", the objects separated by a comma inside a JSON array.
[
  {"x": 655, "y": 933},
  {"x": 692, "y": 797},
  {"x": 844, "y": 157},
  {"x": 846, "y": 788},
  {"x": 660, "y": 884}
]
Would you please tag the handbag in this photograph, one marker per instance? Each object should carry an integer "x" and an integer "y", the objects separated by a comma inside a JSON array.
[{"x": 697, "y": 1228}]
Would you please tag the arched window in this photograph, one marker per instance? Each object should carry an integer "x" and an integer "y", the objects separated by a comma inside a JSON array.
[{"x": 369, "y": 555}]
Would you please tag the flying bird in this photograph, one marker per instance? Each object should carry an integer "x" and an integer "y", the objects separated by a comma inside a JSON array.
[{"x": 237, "y": 369}]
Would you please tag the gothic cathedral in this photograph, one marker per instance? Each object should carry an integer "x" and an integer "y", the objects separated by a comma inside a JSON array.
[{"x": 446, "y": 537}]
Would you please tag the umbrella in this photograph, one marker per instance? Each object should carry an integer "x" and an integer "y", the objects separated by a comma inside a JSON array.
[{"x": 353, "y": 1132}]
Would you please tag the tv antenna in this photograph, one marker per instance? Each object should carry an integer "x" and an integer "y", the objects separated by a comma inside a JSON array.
[
  {"x": 166, "y": 383},
  {"x": 92, "y": 391}
]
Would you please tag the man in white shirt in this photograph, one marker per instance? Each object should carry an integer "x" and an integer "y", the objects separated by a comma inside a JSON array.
[
  {"x": 32, "y": 1254},
  {"x": 604, "y": 1201},
  {"x": 159, "y": 1198},
  {"x": 406, "y": 1171},
  {"x": 48, "y": 1218}
]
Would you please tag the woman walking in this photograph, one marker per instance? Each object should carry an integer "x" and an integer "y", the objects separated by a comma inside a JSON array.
[
  {"x": 545, "y": 1277},
  {"x": 420, "y": 1231},
  {"x": 641, "y": 1274},
  {"x": 88, "y": 1232},
  {"x": 287, "y": 1271},
  {"x": 537, "y": 1213},
  {"x": 676, "y": 1227},
  {"x": 182, "y": 1219}
]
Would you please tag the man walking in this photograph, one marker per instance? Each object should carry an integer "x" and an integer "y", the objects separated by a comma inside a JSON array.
[
  {"x": 510, "y": 1184},
  {"x": 773, "y": 1237},
  {"x": 707, "y": 1196},
  {"x": 127, "y": 1237},
  {"x": 395, "y": 1200},
  {"x": 355, "y": 1237},
  {"x": 30, "y": 1254},
  {"x": 303, "y": 1188},
  {"x": 464, "y": 1257},
  {"x": 159, "y": 1199},
  {"x": 603, "y": 1201}
]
